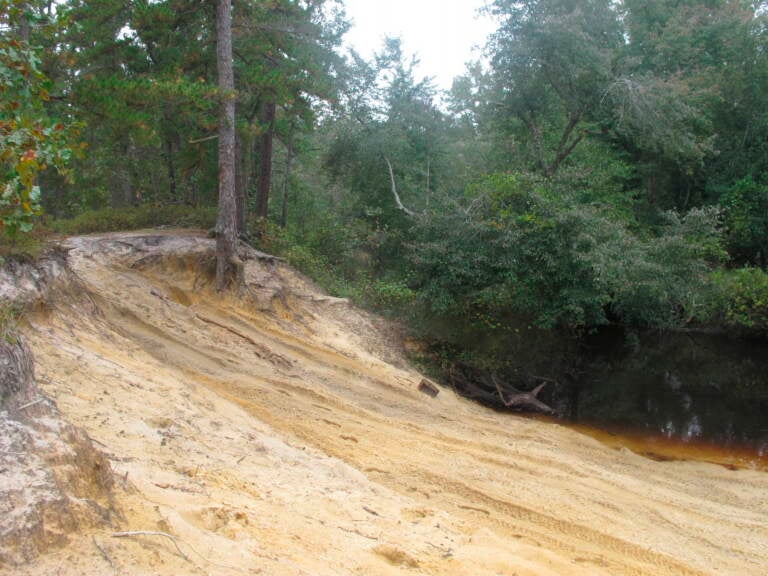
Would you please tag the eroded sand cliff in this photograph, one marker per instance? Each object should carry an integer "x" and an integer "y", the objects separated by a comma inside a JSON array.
[{"x": 279, "y": 433}]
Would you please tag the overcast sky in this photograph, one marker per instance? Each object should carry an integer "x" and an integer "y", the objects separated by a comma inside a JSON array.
[{"x": 441, "y": 32}]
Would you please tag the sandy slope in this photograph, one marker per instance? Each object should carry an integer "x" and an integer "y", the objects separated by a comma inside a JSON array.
[{"x": 278, "y": 434}]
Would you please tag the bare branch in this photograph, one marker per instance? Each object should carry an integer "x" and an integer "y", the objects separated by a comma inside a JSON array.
[
  {"x": 394, "y": 190},
  {"x": 205, "y": 139},
  {"x": 152, "y": 533},
  {"x": 538, "y": 389}
]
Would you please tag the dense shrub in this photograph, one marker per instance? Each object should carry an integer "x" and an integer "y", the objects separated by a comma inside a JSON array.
[
  {"x": 342, "y": 260},
  {"x": 322, "y": 251},
  {"x": 746, "y": 216},
  {"x": 738, "y": 299},
  {"x": 523, "y": 247}
]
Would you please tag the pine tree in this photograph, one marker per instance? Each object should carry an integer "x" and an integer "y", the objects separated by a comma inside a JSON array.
[{"x": 229, "y": 267}]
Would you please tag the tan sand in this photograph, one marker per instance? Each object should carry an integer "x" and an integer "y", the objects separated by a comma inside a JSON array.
[{"x": 281, "y": 435}]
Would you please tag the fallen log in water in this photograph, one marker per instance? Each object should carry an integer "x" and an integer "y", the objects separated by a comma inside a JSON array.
[
  {"x": 505, "y": 394},
  {"x": 527, "y": 400}
]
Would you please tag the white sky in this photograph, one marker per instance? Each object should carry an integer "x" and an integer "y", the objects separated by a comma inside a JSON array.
[{"x": 442, "y": 33}]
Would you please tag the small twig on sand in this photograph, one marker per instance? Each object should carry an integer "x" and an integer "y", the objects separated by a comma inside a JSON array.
[
  {"x": 103, "y": 552},
  {"x": 97, "y": 442},
  {"x": 176, "y": 544},
  {"x": 356, "y": 531},
  {"x": 229, "y": 329},
  {"x": 446, "y": 552},
  {"x": 152, "y": 533},
  {"x": 30, "y": 404}
]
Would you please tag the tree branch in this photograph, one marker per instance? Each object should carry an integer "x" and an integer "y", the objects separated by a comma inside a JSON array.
[
  {"x": 564, "y": 149},
  {"x": 204, "y": 139},
  {"x": 394, "y": 190}
]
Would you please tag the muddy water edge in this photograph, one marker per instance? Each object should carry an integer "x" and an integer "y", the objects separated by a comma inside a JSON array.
[{"x": 680, "y": 396}]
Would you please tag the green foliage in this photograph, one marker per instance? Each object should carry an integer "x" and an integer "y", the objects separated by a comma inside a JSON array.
[
  {"x": 745, "y": 205},
  {"x": 391, "y": 294},
  {"x": 30, "y": 141},
  {"x": 336, "y": 258},
  {"x": 551, "y": 63},
  {"x": 146, "y": 216},
  {"x": 523, "y": 247},
  {"x": 395, "y": 119},
  {"x": 321, "y": 251},
  {"x": 739, "y": 300},
  {"x": 654, "y": 114},
  {"x": 658, "y": 281}
]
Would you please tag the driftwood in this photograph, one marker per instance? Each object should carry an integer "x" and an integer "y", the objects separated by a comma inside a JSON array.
[
  {"x": 428, "y": 388},
  {"x": 523, "y": 399},
  {"x": 505, "y": 394},
  {"x": 470, "y": 389}
]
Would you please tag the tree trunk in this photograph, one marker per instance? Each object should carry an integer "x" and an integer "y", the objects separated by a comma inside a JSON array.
[
  {"x": 229, "y": 267},
  {"x": 122, "y": 188},
  {"x": 241, "y": 183},
  {"x": 651, "y": 187},
  {"x": 122, "y": 192},
  {"x": 23, "y": 23},
  {"x": 169, "y": 150},
  {"x": 534, "y": 131},
  {"x": 265, "y": 165},
  {"x": 284, "y": 210},
  {"x": 566, "y": 145}
]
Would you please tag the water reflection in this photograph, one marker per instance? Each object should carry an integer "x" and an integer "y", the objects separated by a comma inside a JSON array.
[{"x": 691, "y": 388}]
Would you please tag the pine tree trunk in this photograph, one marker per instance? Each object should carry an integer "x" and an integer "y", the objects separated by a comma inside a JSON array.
[
  {"x": 241, "y": 182},
  {"x": 169, "y": 151},
  {"x": 122, "y": 186},
  {"x": 265, "y": 165},
  {"x": 229, "y": 268},
  {"x": 286, "y": 181}
]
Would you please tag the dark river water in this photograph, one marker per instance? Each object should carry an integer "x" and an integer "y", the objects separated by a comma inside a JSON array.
[{"x": 674, "y": 390}]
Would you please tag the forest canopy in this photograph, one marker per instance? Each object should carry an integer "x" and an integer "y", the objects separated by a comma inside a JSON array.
[{"x": 603, "y": 162}]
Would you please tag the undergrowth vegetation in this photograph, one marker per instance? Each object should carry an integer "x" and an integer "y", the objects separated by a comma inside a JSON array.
[
  {"x": 738, "y": 300},
  {"x": 135, "y": 218},
  {"x": 9, "y": 316},
  {"x": 24, "y": 247}
]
